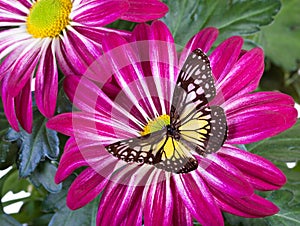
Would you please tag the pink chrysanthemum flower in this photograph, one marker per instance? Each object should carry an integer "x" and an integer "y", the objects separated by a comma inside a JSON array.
[
  {"x": 41, "y": 34},
  {"x": 186, "y": 165}
]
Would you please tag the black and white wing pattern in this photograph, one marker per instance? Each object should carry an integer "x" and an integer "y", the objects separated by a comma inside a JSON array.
[{"x": 158, "y": 149}]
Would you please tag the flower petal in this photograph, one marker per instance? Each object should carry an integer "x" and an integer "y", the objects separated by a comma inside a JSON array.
[
  {"x": 198, "y": 199},
  {"x": 142, "y": 11},
  {"x": 88, "y": 97},
  {"x": 23, "y": 103},
  {"x": 99, "y": 13},
  {"x": 261, "y": 173},
  {"x": 163, "y": 61},
  {"x": 9, "y": 106},
  {"x": 90, "y": 127},
  {"x": 46, "y": 83},
  {"x": 244, "y": 75},
  {"x": 23, "y": 68},
  {"x": 70, "y": 160},
  {"x": 252, "y": 207},
  {"x": 120, "y": 203},
  {"x": 129, "y": 75},
  {"x": 86, "y": 187},
  {"x": 223, "y": 176},
  {"x": 158, "y": 207},
  {"x": 181, "y": 215},
  {"x": 203, "y": 40},
  {"x": 225, "y": 56},
  {"x": 257, "y": 116}
]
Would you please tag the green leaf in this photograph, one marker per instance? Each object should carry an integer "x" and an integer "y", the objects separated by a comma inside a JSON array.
[
  {"x": 57, "y": 201},
  {"x": 7, "y": 220},
  {"x": 237, "y": 17},
  {"x": 284, "y": 147},
  {"x": 289, "y": 215},
  {"x": 236, "y": 220},
  {"x": 63, "y": 215},
  {"x": 281, "y": 39},
  {"x": 63, "y": 102},
  {"x": 35, "y": 146},
  {"x": 44, "y": 175},
  {"x": 14, "y": 183}
]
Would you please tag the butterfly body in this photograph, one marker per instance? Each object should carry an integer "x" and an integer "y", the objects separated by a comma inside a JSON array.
[{"x": 194, "y": 127}]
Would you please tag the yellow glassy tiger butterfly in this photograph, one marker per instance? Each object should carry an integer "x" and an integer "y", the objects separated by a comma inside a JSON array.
[{"x": 194, "y": 127}]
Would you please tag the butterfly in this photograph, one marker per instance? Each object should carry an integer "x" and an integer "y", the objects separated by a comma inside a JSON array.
[{"x": 195, "y": 127}]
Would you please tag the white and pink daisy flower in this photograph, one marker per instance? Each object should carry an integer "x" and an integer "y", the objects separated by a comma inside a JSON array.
[{"x": 42, "y": 35}]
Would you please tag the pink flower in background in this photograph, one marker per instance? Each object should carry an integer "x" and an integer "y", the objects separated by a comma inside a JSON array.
[
  {"x": 139, "y": 100},
  {"x": 41, "y": 34}
]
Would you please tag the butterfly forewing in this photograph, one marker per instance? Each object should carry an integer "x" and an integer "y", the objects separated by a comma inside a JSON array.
[{"x": 196, "y": 79}]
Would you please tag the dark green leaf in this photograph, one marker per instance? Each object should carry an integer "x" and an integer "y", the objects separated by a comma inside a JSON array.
[
  {"x": 281, "y": 39},
  {"x": 63, "y": 215},
  {"x": 240, "y": 221},
  {"x": 284, "y": 147},
  {"x": 42, "y": 220},
  {"x": 3, "y": 121},
  {"x": 42, "y": 142},
  {"x": 186, "y": 18},
  {"x": 29, "y": 211},
  {"x": 14, "y": 183},
  {"x": 44, "y": 174},
  {"x": 63, "y": 102},
  {"x": 7, "y": 220},
  {"x": 122, "y": 25},
  {"x": 56, "y": 201}
]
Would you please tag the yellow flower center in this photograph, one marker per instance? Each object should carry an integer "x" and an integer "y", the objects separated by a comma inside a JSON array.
[
  {"x": 47, "y": 18},
  {"x": 157, "y": 124}
]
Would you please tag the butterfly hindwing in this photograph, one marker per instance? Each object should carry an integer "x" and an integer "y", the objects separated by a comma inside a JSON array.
[{"x": 158, "y": 149}]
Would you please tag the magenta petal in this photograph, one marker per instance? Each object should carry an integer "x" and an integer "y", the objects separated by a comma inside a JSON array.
[
  {"x": 252, "y": 207},
  {"x": 203, "y": 40},
  {"x": 46, "y": 83},
  {"x": 257, "y": 116},
  {"x": 225, "y": 56},
  {"x": 120, "y": 203},
  {"x": 22, "y": 70},
  {"x": 14, "y": 7},
  {"x": 71, "y": 159},
  {"x": 87, "y": 51},
  {"x": 159, "y": 203},
  {"x": 142, "y": 11},
  {"x": 198, "y": 199},
  {"x": 9, "y": 106},
  {"x": 244, "y": 76},
  {"x": 23, "y": 102},
  {"x": 80, "y": 124},
  {"x": 129, "y": 75},
  {"x": 68, "y": 56},
  {"x": 261, "y": 173},
  {"x": 163, "y": 60},
  {"x": 100, "y": 13},
  {"x": 141, "y": 32},
  {"x": 87, "y": 96},
  {"x": 85, "y": 188},
  {"x": 181, "y": 215},
  {"x": 223, "y": 176}
]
